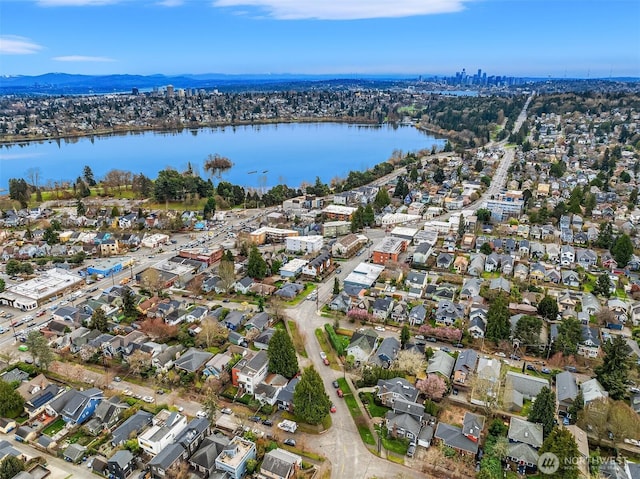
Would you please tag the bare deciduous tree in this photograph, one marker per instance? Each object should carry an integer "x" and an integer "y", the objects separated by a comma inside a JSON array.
[{"x": 410, "y": 361}]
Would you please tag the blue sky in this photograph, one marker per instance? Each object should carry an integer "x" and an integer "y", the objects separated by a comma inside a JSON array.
[{"x": 557, "y": 38}]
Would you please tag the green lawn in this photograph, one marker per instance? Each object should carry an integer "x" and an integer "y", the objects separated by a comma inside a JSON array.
[
  {"x": 399, "y": 446},
  {"x": 328, "y": 350},
  {"x": 356, "y": 413},
  {"x": 376, "y": 410},
  {"x": 54, "y": 428}
]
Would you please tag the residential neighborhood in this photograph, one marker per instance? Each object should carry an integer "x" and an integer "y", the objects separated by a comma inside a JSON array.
[{"x": 465, "y": 312}]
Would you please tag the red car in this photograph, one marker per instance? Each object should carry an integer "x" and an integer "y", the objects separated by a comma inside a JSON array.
[
  {"x": 333, "y": 408},
  {"x": 340, "y": 393},
  {"x": 325, "y": 361}
]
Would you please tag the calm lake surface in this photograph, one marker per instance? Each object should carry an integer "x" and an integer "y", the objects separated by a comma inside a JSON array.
[{"x": 263, "y": 156}]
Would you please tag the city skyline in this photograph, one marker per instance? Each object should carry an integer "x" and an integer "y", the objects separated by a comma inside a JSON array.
[{"x": 412, "y": 37}]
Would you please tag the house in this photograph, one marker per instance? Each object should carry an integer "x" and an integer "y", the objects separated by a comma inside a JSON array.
[
  {"x": 590, "y": 304},
  {"x": 280, "y": 464},
  {"x": 521, "y": 271},
  {"x": 465, "y": 365},
  {"x": 250, "y": 371},
  {"x": 492, "y": 263},
  {"x": 476, "y": 266},
  {"x": 130, "y": 427},
  {"x": 262, "y": 340},
  {"x": 586, "y": 258},
  {"x": 461, "y": 264},
  {"x": 234, "y": 456},
  {"x": 397, "y": 388},
  {"x": 234, "y": 319},
  {"x": 592, "y": 390},
  {"x": 441, "y": 363},
  {"x": 167, "y": 459},
  {"x": 500, "y": 284},
  {"x": 386, "y": 352},
  {"x": 381, "y": 307},
  {"x": 121, "y": 464},
  {"x": 362, "y": 345},
  {"x": 405, "y": 420},
  {"x": 567, "y": 255},
  {"x": 289, "y": 290},
  {"x": 106, "y": 415},
  {"x": 204, "y": 459},
  {"x": 259, "y": 321},
  {"x": 192, "y": 360},
  {"x": 448, "y": 313},
  {"x": 570, "y": 278},
  {"x": 7, "y": 425},
  {"x": 580, "y": 437},
  {"x": 284, "y": 400},
  {"x": 477, "y": 327},
  {"x": 470, "y": 288},
  {"x": 75, "y": 406},
  {"x": 242, "y": 285},
  {"x": 589, "y": 345},
  {"x": 37, "y": 393},
  {"x": 519, "y": 387},
  {"x": 416, "y": 282},
  {"x": 74, "y": 453},
  {"x": 464, "y": 440},
  {"x": 166, "y": 427},
  {"x": 444, "y": 261},
  {"x": 525, "y": 438},
  {"x": 217, "y": 365},
  {"x": 566, "y": 391},
  {"x": 418, "y": 314},
  {"x": 164, "y": 359}
]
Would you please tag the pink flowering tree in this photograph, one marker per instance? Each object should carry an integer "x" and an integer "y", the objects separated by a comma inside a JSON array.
[
  {"x": 433, "y": 386},
  {"x": 445, "y": 333},
  {"x": 358, "y": 314}
]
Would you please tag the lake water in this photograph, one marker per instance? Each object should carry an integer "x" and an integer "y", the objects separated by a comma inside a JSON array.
[{"x": 263, "y": 156}]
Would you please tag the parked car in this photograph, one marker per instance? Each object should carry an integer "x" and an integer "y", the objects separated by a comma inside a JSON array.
[
  {"x": 445, "y": 349},
  {"x": 459, "y": 345},
  {"x": 335, "y": 384},
  {"x": 380, "y": 328},
  {"x": 255, "y": 418},
  {"x": 226, "y": 410},
  {"x": 201, "y": 413},
  {"x": 340, "y": 393},
  {"x": 515, "y": 357},
  {"x": 571, "y": 369},
  {"x": 545, "y": 371},
  {"x": 419, "y": 336},
  {"x": 501, "y": 355},
  {"x": 333, "y": 408},
  {"x": 148, "y": 399},
  {"x": 267, "y": 422},
  {"x": 290, "y": 442},
  {"x": 323, "y": 355},
  {"x": 117, "y": 379},
  {"x": 432, "y": 340},
  {"x": 531, "y": 367},
  {"x": 411, "y": 450}
]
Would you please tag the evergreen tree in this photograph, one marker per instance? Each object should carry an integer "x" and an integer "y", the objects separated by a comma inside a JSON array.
[
  {"x": 498, "y": 324},
  {"x": 543, "y": 410},
  {"x": 282, "y": 355},
  {"x": 439, "y": 176},
  {"x": 336, "y": 285},
  {"x": 99, "y": 320},
  {"x": 605, "y": 236},
  {"x": 209, "y": 207},
  {"x": 486, "y": 248},
  {"x": 622, "y": 250},
  {"x": 569, "y": 334},
  {"x": 129, "y": 303},
  {"x": 613, "y": 373},
  {"x": 401, "y": 188},
  {"x": 11, "y": 403},
  {"x": 310, "y": 401},
  {"x": 528, "y": 330},
  {"x": 382, "y": 199},
  {"x": 256, "y": 265},
  {"x": 87, "y": 175},
  {"x": 19, "y": 191},
  {"x": 576, "y": 407},
  {"x": 10, "y": 467},
  {"x": 562, "y": 443},
  {"x": 405, "y": 335},
  {"x": 368, "y": 216},
  {"x": 548, "y": 308},
  {"x": 603, "y": 285}
]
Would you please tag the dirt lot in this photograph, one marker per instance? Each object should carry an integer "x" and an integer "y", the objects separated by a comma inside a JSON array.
[
  {"x": 452, "y": 414},
  {"x": 433, "y": 462}
]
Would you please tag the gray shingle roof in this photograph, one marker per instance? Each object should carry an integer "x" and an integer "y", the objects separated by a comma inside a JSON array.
[{"x": 525, "y": 432}]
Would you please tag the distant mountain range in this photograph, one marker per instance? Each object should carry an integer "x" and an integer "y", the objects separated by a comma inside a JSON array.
[
  {"x": 64, "y": 83},
  {"x": 71, "y": 84}
]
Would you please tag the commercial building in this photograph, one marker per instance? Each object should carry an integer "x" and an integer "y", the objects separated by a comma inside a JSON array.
[
  {"x": 275, "y": 235},
  {"x": 304, "y": 244},
  {"x": 30, "y": 294},
  {"x": 388, "y": 249},
  {"x": 364, "y": 275},
  {"x": 339, "y": 212},
  {"x": 333, "y": 229}
]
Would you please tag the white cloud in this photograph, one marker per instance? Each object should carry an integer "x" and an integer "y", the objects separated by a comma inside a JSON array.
[
  {"x": 82, "y": 58},
  {"x": 74, "y": 3},
  {"x": 347, "y": 9},
  {"x": 14, "y": 45},
  {"x": 171, "y": 3}
]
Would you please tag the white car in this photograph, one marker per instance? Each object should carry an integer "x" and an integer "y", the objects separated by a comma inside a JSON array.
[
  {"x": 501, "y": 355},
  {"x": 148, "y": 399},
  {"x": 201, "y": 414},
  {"x": 380, "y": 328},
  {"x": 323, "y": 355}
]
